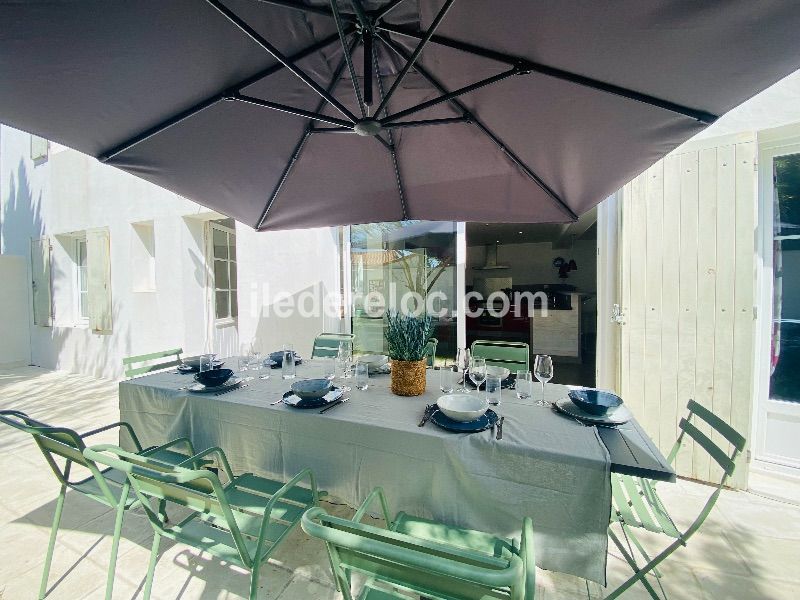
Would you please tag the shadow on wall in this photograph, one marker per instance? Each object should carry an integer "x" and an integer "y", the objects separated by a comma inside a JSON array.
[
  {"x": 56, "y": 347},
  {"x": 273, "y": 331}
]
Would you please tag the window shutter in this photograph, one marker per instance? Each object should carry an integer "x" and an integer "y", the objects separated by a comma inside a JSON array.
[
  {"x": 98, "y": 261},
  {"x": 40, "y": 268}
]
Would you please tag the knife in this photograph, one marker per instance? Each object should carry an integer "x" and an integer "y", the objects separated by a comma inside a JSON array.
[
  {"x": 500, "y": 428},
  {"x": 333, "y": 404}
]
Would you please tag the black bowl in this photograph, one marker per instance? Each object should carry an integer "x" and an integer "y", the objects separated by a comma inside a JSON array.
[
  {"x": 595, "y": 402},
  {"x": 213, "y": 378}
]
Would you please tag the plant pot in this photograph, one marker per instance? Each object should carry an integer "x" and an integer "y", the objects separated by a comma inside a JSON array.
[{"x": 408, "y": 377}]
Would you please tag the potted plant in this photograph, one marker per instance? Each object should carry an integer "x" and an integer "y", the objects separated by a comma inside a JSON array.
[{"x": 407, "y": 337}]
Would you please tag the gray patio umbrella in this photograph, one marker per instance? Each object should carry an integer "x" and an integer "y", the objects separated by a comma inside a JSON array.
[{"x": 287, "y": 114}]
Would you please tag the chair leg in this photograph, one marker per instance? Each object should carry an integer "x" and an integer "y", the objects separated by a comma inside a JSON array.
[
  {"x": 630, "y": 535},
  {"x": 52, "y": 543},
  {"x": 151, "y": 568},
  {"x": 638, "y": 575},
  {"x": 112, "y": 565}
]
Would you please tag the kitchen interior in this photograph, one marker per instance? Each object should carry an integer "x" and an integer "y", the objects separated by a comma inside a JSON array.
[{"x": 559, "y": 260}]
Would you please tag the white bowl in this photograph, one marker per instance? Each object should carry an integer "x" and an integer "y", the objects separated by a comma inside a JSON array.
[
  {"x": 373, "y": 360},
  {"x": 500, "y": 372},
  {"x": 463, "y": 407}
]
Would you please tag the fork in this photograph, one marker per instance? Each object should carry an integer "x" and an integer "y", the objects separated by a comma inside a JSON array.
[{"x": 232, "y": 389}]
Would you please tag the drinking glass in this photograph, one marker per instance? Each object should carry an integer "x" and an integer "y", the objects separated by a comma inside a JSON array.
[
  {"x": 461, "y": 366},
  {"x": 477, "y": 371},
  {"x": 493, "y": 389},
  {"x": 244, "y": 362},
  {"x": 446, "y": 375},
  {"x": 254, "y": 361},
  {"x": 328, "y": 368},
  {"x": 543, "y": 369},
  {"x": 362, "y": 375},
  {"x": 266, "y": 365},
  {"x": 524, "y": 385},
  {"x": 206, "y": 362},
  {"x": 288, "y": 369},
  {"x": 345, "y": 357}
]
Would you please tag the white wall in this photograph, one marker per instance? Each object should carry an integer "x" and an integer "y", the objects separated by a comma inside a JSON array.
[
  {"x": 15, "y": 349},
  {"x": 72, "y": 192}
]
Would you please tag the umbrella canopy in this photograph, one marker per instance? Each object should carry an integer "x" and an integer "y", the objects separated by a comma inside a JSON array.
[{"x": 288, "y": 114}]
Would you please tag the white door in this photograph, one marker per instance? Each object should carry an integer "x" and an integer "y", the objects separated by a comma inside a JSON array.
[{"x": 778, "y": 429}]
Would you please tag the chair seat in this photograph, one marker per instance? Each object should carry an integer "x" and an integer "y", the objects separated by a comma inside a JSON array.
[
  {"x": 371, "y": 593},
  {"x": 637, "y": 504},
  {"x": 466, "y": 539}
]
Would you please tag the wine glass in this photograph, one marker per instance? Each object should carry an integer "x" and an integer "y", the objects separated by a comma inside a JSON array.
[
  {"x": 345, "y": 357},
  {"x": 477, "y": 371},
  {"x": 543, "y": 369},
  {"x": 461, "y": 366},
  {"x": 523, "y": 385}
]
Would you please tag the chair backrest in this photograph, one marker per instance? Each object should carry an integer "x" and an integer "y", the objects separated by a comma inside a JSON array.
[
  {"x": 326, "y": 345},
  {"x": 199, "y": 490},
  {"x": 132, "y": 371},
  {"x": 512, "y": 355},
  {"x": 427, "y": 568},
  {"x": 726, "y": 459},
  {"x": 430, "y": 350},
  {"x": 58, "y": 443}
]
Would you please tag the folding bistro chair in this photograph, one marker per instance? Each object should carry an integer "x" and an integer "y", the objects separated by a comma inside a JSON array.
[
  {"x": 430, "y": 351},
  {"x": 132, "y": 371},
  {"x": 637, "y": 505},
  {"x": 326, "y": 345},
  {"x": 423, "y": 557},
  {"x": 512, "y": 355},
  {"x": 106, "y": 486},
  {"x": 241, "y": 522}
]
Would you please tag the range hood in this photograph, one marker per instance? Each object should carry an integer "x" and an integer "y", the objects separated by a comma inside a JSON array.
[{"x": 490, "y": 264}]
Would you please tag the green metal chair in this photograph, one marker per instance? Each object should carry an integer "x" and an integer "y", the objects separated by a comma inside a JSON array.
[
  {"x": 512, "y": 355},
  {"x": 423, "y": 557},
  {"x": 430, "y": 350},
  {"x": 326, "y": 345},
  {"x": 131, "y": 371},
  {"x": 637, "y": 505},
  {"x": 242, "y": 522},
  {"x": 106, "y": 486}
]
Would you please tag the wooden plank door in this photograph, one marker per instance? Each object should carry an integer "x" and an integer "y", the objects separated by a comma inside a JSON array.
[{"x": 687, "y": 264}]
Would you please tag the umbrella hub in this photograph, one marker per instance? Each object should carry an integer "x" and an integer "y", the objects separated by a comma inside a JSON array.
[{"x": 368, "y": 127}]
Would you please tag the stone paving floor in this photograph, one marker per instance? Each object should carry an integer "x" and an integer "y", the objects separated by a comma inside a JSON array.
[{"x": 749, "y": 547}]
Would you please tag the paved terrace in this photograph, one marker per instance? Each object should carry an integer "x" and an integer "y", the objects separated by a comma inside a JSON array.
[{"x": 749, "y": 547}]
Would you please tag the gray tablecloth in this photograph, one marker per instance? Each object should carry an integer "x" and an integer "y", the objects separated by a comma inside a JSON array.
[{"x": 546, "y": 466}]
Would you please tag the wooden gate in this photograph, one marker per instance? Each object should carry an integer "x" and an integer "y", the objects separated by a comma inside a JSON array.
[{"x": 687, "y": 273}]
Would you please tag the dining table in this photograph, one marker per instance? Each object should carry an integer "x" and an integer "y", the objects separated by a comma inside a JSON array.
[{"x": 548, "y": 466}]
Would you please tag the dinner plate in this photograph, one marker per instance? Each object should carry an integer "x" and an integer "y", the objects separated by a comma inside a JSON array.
[
  {"x": 295, "y": 401},
  {"x": 199, "y": 388},
  {"x": 485, "y": 422},
  {"x": 506, "y": 384},
  {"x": 618, "y": 416}
]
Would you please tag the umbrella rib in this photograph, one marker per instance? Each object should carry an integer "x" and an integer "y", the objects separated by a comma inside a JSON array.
[
  {"x": 361, "y": 15},
  {"x": 446, "y": 121},
  {"x": 490, "y": 134},
  {"x": 280, "y": 57},
  {"x": 302, "y": 142},
  {"x": 347, "y": 57},
  {"x": 450, "y": 95},
  {"x": 527, "y": 66},
  {"x": 292, "y": 110},
  {"x": 392, "y": 148},
  {"x": 382, "y": 12},
  {"x": 224, "y": 94},
  {"x": 415, "y": 54}
]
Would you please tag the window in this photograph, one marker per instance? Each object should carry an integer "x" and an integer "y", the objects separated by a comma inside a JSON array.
[
  {"x": 223, "y": 259},
  {"x": 81, "y": 279}
]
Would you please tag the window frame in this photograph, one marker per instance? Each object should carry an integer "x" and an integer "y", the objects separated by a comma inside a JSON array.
[{"x": 231, "y": 265}]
